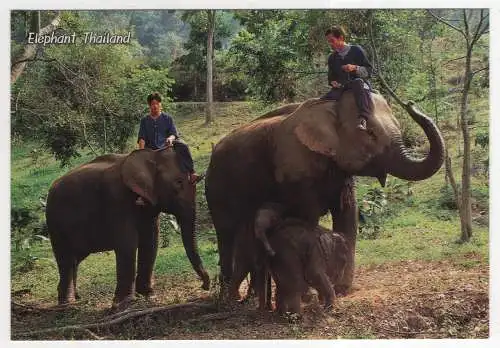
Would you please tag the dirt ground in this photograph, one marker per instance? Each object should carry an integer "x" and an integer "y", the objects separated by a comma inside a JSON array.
[{"x": 410, "y": 299}]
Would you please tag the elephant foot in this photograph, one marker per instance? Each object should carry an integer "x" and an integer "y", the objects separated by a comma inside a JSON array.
[
  {"x": 122, "y": 304},
  {"x": 148, "y": 293},
  {"x": 66, "y": 301},
  {"x": 342, "y": 290},
  {"x": 206, "y": 280},
  {"x": 144, "y": 290}
]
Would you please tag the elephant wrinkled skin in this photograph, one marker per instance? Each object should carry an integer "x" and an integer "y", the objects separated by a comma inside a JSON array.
[{"x": 93, "y": 208}]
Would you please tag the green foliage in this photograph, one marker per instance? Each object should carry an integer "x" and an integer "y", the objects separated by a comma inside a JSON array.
[
  {"x": 267, "y": 50},
  {"x": 378, "y": 205},
  {"x": 26, "y": 230},
  {"x": 190, "y": 69},
  {"x": 482, "y": 139},
  {"x": 447, "y": 198},
  {"x": 168, "y": 227},
  {"x": 62, "y": 140},
  {"x": 88, "y": 96}
]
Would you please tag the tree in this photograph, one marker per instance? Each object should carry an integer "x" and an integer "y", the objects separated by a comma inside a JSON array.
[
  {"x": 87, "y": 96},
  {"x": 29, "y": 51},
  {"x": 471, "y": 25},
  {"x": 210, "y": 55}
]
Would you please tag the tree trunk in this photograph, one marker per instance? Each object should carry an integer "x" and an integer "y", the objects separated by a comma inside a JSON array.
[
  {"x": 451, "y": 178},
  {"x": 210, "y": 48},
  {"x": 466, "y": 210},
  {"x": 19, "y": 63}
]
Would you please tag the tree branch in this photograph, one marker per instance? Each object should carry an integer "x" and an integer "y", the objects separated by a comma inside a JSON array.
[
  {"x": 451, "y": 60},
  {"x": 479, "y": 70},
  {"x": 34, "y": 60},
  {"x": 87, "y": 140},
  {"x": 479, "y": 30},
  {"x": 121, "y": 317},
  {"x": 447, "y": 23},
  {"x": 377, "y": 63}
]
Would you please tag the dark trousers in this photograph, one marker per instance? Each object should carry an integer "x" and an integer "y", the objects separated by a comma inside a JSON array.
[
  {"x": 186, "y": 160},
  {"x": 361, "y": 96}
]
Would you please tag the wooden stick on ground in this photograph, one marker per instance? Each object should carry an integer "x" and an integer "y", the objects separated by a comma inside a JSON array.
[{"x": 119, "y": 319}]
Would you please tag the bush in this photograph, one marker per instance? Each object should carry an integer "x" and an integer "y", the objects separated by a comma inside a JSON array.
[
  {"x": 26, "y": 229},
  {"x": 379, "y": 204},
  {"x": 447, "y": 198}
]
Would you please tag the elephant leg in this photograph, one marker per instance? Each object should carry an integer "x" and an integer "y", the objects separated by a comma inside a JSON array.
[
  {"x": 268, "y": 294},
  {"x": 75, "y": 273},
  {"x": 252, "y": 286},
  {"x": 125, "y": 273},
  {"x": 241, "y": 270},
  {"x": 225, "y": 242},
  {"x": 345, "y": 220},
  {"x": 281, "y": 303},
  {"x": 263, "y": 280},
  {"x": 147, "y": 251},
  {"x": 320, "y": 281},
  {"x": 293, "y": 300},
  {"x": 66, "y": 286},
  {"x": 261, "y": 285}
]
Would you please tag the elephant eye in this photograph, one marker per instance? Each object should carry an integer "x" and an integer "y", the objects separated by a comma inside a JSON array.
[{"x": 179, "y": 181}]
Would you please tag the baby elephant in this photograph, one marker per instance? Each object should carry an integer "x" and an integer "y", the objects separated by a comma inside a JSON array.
[{"x": 305, "y": 256}]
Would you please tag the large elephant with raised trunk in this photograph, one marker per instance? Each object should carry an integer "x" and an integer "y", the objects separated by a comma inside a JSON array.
[
  {"x": 304, "y": 156},
  {"x": 93, "y": 208}
]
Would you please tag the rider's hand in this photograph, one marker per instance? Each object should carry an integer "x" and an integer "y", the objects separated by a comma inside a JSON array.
[
  {"x": 169, "y": 141},
  {"x": 349, "y": 67},
  {"x": 335, "y": 84}
]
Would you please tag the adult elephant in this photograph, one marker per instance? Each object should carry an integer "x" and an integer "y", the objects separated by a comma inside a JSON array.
[
  {"x": 93, "y": 208},
  {"x": 304, "y": 156}
]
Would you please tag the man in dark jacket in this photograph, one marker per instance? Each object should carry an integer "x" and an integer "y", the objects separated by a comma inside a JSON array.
[
  {"x": 348, "y": 68},
  {"x": 157, "y": 131}
]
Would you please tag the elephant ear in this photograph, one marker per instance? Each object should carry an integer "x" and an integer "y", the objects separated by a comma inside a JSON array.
[
  {"x": 316, "y": 128},
  {"x": 138, "y": 174},
  {"x": 312, "y": 127}
]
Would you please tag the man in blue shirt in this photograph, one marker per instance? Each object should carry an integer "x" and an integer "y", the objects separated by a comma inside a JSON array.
[
  {"x": 349, "y": 68},
  {"x": 157, "y": 131}
]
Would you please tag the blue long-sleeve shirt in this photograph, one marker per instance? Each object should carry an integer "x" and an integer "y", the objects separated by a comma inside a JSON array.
[
  {"x": 155, "y": 132},
  {"x": 350, "y": 54}
]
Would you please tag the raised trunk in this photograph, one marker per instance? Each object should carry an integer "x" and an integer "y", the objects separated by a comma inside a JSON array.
[
  {"x": 344, "y": 212},
  {"x": 404, "y": 166},
  {"x": 187, "y": 223}
]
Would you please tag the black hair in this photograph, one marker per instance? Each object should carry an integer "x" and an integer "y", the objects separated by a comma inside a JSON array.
[
  {"x": 336, "y": 31},
  {"x": 154, "y": 96}
]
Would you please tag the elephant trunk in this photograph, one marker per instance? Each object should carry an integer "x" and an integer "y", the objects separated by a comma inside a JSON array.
[
  {"x": 187, "y": 224},
  {"x": 402, "y": 165}
]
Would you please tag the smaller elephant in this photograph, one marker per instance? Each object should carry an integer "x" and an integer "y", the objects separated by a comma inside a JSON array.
[
  {"x": 93, "y": 208},
  {"x": 305, "y": 256}
]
